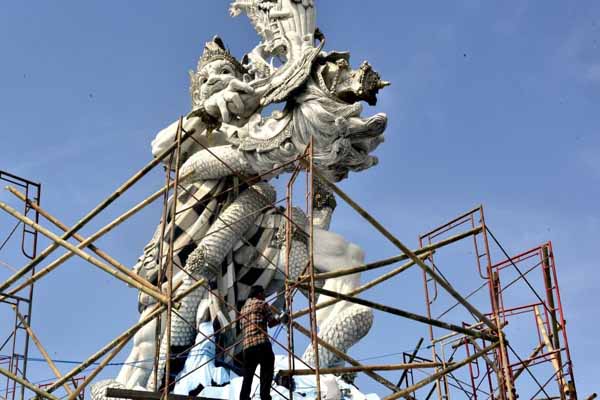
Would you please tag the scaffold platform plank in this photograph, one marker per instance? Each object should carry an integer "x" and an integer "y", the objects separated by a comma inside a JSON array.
[{"x": 143, "y": 395}]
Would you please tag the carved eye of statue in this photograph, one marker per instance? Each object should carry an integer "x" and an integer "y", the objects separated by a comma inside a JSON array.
[{"x": 225, "y": 71}]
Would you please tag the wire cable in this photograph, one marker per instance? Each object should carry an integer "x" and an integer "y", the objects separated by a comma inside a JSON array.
[{"x": 12, "y": 232}]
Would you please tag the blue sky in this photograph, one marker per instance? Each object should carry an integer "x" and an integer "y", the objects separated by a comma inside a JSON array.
[{"x": 492, "y": 102}]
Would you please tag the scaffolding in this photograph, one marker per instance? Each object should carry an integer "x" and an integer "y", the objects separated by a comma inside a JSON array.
[{"x": 477, "y": 352}]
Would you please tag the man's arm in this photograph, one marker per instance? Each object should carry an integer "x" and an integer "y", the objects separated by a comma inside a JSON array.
[
  {"x": 270, "y": 316},
  {"x": 272, "y": 319}
]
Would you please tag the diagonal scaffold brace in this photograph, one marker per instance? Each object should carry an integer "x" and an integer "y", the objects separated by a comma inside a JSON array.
[
  {"x": 92, "y": 260},
  {"x": 402, "y": 247},
  {"x": 94, "y": 212}
]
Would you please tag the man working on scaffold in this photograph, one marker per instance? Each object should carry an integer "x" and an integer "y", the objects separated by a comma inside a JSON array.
[{"x": 256, "y": 318}]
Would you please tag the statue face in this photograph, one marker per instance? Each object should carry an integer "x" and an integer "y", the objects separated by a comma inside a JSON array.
[
  {"x": 212, "y": 78},
  {"x": 215, "y": 76}
]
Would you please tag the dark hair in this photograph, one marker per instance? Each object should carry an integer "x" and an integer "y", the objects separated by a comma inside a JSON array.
[{"x": 255, "y": 291}]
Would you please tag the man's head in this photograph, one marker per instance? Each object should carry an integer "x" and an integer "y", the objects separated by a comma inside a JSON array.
[{"x": 257, "y": 292}]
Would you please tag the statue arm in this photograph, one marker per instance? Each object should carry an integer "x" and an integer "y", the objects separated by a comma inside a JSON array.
[
  {"x": 167, "y": 136},
  {"x": 215, "y": 163}
]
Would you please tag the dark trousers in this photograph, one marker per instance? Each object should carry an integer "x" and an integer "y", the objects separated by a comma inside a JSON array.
[{"x": 258, "y": 355}]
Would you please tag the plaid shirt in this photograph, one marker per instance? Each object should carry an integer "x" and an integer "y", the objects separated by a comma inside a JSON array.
[{"x": 255, "y": 315}]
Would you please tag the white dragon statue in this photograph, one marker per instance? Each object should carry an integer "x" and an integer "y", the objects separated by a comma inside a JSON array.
[{"x": 228, "y": 231}]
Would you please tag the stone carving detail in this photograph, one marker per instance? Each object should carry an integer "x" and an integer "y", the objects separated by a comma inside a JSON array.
[{"x": 237, "y": 239}]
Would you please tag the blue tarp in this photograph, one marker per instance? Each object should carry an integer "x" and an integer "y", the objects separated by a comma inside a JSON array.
[
  {"x": 200, "y": 369},
  {"x": 199, "y": 366}
]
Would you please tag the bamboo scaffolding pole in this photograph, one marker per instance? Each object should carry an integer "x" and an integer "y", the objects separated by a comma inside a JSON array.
[
  {"x": 103, "y": 231},
  {"x": 289, "y": 290},
  {"x": 505, "y": 368},
  {"x": 362, "y": 288},
  {"x": 343, "y": 370},
  {"x": 439, "y": 374},
  {"x": 42, "y": 350},
  {"x": 170, "y": 259},
  {"x": 94, "y": 261},
  {"x": 554, "y": 337},
  {"x": 160, "y": 278},
  {"x": 528, "y": 361},
  {"x": 406, "y": 314},
  {"x": 550, "y": 347},
  {"x": 434, "y": 275},
  {"x": 345, "y": 357},
  {"x": 129, "y": 333},
  {"x": 503, "y": 373},
  {"x": 99, "y": 369},
  {"x": 550, "y": 295},
  {"x": 387, "y": 261},
  {"x": 27, "y": 384},
  {"x": 100, "y": 253},
  {"x": 94, "y": 212},
  {"x": 312, "y": 295}
]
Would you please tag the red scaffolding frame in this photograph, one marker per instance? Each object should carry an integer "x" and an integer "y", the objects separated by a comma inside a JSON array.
[{"x": 546, "y": 318}]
